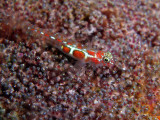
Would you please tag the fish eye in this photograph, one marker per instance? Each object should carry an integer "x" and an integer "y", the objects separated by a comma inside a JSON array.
[{"x": 106, "y": 59}]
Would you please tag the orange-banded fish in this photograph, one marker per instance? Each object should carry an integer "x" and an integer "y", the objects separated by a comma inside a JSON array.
[{"x": 78, "y": 51}]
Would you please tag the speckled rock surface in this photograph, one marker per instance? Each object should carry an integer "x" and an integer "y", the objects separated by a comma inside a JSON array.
[{"x": 37, "y": 81}]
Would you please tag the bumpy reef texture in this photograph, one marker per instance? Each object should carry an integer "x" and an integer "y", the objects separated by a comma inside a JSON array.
[{"x": 37, "y": 81}]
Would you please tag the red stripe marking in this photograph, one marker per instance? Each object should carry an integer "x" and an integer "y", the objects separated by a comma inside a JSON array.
[
  {"x": 66, "y": 49},
  {"x": 88, "y": 59},
  {"x": 69, "y": 44},
  {"x": 46, "y": 35},
  {"x": 100, "y": 54},
  {"x": 59, "y": 40},
  {"x": 96, "y": 61},
  {"x": 91, "y": 52},
  {"x": 78, "y": 54}
]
